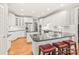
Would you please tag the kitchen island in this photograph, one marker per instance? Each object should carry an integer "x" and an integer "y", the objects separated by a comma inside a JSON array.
[{"x": 38, "y": 39}]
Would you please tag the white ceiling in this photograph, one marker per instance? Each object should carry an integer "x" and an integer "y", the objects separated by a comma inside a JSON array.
[{"x": 35, "y": 9}]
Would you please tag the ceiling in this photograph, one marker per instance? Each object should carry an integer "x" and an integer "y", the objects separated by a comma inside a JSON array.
[{"x": 35, "y": 9}]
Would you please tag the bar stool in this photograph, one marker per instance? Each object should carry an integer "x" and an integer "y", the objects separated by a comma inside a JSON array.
[
  {"x": 62, "y": 48},
  {"x": 47, "y": 48},
  {"x": 70, "y": 44}
]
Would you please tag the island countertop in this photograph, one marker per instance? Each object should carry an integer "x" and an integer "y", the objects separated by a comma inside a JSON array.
[{"x": 46, "y": 37}]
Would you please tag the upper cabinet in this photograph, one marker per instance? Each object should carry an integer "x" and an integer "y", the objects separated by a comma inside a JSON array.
[
  {"x": 19, "y": 21},
  {"x": 64, "y": 18},
  {"x": 12, "y": 19},
  {"x": 22, "y": 21}
]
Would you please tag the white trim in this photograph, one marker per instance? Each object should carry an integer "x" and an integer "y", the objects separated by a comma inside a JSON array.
[{"x": 76, "y": 24}]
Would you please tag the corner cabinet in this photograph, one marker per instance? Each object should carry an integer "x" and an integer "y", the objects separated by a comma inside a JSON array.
[{"x": 3, "y": 28}]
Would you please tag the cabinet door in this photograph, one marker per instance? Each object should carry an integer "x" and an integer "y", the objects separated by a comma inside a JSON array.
[{"x": 20, "y": 21}]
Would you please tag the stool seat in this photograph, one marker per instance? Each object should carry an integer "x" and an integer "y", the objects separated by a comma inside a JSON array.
[
  {"x": 47, "y": 48},
  {"x": 60, "y": 44},
  {"x": 70, "y": 42}
]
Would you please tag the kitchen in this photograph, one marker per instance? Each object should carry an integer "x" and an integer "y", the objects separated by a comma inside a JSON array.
[{"x": 40, "y": 24}]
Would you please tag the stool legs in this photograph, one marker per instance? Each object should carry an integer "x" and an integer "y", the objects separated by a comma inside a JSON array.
[
  {"x": 54, "y": 52},
  {"x": 43, "y": 53},
  {"x": 69, "y": 49},
  {"x": 75, "y": 49},
  {"x": 48, "y": 53},
  {"x": 62, "y": 51},
  {"x": 59, "y": 51},
  {"x": 39, "y": 51}
]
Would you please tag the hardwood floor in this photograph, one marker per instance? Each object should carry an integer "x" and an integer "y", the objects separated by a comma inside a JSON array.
[{"x": 21, "y": 47}]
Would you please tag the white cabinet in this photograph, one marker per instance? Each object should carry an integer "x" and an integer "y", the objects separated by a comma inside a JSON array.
[
  {"x": 12, "y": 20},
  {"x": 20, "y": 21},
  {"x": 63, "y": 18},
  {"x": 25, "y": 22},
  {"x": 28, "y": 24}
]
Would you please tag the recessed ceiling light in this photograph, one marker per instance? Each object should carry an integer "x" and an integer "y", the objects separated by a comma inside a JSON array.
[
  {"x": 64, "y": 12},
  {"x": 48, "y": 9},
  {"x": 33, "y": 11},
  {"x": 61, "y": 5},
  {"x": 22, "y": 14},
  {"x": 42, "y": 13},
  {"x": 38, "y": 16},
  {"x": 22, "y": 9}
]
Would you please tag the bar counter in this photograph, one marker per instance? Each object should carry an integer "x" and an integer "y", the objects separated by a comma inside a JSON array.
[{"x": 38, "y": 39}]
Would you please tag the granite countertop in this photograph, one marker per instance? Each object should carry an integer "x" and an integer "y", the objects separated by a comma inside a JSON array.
[{"x": 46, "y": 37}]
